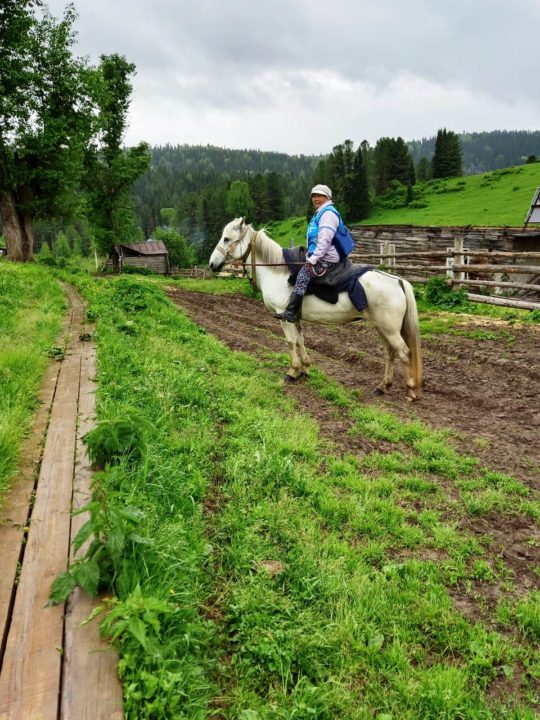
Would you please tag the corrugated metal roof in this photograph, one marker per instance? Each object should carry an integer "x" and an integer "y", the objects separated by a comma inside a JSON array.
[{"x": 153, "y": 247}]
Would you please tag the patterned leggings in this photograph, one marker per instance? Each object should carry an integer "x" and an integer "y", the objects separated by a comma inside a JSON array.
[{"x": 309, "y": 271}]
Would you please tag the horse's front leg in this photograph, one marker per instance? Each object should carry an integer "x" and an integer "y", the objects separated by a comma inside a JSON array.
[
  {"x": 299, "y": 360},
  {"x": 305, "y": 362}
]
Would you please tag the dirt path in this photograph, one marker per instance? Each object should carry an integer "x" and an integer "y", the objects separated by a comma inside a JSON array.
[
  {"x": 51, "y": 667},
  {"x": 486, "y": 391}
]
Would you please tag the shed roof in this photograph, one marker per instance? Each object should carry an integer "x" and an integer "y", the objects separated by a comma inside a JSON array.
[{"x": 152, "y": 247}]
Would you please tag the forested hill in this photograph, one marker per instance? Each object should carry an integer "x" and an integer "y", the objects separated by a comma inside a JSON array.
[
  {"x": 208, "y": 159},
  {"x": 486, "y": 151},
  {"x": 186, "y": 176}
]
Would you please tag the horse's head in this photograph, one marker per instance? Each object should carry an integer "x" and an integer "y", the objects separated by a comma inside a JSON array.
[{"x": 233, "y": 244}]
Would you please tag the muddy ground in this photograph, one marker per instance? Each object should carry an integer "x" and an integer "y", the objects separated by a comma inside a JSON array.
[{"x": 486, "y": 391}]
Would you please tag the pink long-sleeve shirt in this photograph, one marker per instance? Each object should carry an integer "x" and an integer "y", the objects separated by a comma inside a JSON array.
[{"x": 328, "y": 225}]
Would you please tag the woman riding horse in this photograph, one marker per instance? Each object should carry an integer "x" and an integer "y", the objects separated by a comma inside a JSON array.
[{"x": 322, "y": 254}]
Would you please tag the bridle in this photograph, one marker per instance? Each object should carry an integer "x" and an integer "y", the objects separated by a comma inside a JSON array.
[
  {"x": 250, "y": 249},
  {"x": 252, "y": 245}
]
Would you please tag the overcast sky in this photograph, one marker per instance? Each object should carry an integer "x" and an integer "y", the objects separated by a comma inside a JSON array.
[{"x": 300, "y": 76}]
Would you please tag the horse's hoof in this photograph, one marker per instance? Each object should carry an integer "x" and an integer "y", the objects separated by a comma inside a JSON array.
[
  {"x": 377, "y": 391},
  {"x": 303, "y": 376},
  {"x": 289, "y": 378}
]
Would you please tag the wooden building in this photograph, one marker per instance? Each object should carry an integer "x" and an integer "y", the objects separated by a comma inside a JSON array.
[
  {"x": 410, "y": 237},
  {"x": 151, "y": 254}
]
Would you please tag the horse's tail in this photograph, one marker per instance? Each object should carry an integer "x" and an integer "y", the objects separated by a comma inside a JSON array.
[{"x": 410, "y": 332}]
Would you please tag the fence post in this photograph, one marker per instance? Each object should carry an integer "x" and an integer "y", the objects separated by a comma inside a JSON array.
[
  {"x": 392, "y": 252},
  {"x": 458, "y": 260},
  {"x": 384, "y": 251}
]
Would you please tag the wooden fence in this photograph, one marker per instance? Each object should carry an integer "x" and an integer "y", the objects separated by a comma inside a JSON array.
[
  {"x": 508, "y": 272},
  {"x": 493, "y": 275}
]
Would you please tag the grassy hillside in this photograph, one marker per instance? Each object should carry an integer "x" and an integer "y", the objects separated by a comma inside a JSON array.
[
  {"x": 32, "y": 305},
  {"x": 496, "y": 198},
  {"x": 501, "y": 197}
]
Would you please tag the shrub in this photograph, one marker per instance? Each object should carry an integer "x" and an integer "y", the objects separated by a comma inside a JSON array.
[
  {"x": 438, "y": 293},
  {"x": 182, "y": 253},
  {"x": 117, "y": 436}
]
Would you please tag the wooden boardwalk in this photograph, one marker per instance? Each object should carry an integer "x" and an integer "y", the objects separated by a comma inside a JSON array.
[{"x": 51, "y": 667}]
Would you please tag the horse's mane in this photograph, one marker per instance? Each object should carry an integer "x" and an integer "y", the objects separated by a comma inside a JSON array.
[{"x": 268, "y": 251}]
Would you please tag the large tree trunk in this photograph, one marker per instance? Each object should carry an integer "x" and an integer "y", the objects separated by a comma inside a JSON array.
[{"x": 17, "y": 229}]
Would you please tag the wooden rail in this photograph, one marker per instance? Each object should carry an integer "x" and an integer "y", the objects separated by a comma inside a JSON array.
[{"x": 458, "y": 271}]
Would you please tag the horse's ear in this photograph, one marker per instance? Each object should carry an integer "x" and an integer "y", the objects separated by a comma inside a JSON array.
[{"x": 242, "y": 222}]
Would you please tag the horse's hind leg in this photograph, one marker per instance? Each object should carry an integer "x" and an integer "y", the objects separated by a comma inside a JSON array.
[
  {"x": 395, "y": 345},
  {"x": 389, "y": 359}
]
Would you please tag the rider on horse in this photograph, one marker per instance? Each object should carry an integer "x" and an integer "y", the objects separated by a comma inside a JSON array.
[{"x": 322, "y": 254}]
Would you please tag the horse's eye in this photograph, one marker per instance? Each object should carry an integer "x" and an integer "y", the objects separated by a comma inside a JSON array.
[{"x": 226, "y": 240}]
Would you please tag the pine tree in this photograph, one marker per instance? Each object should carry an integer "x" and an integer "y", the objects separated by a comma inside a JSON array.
[
  {"x": 447, "y": 158},
  {"x": 359, "y": 204},
  {"x": 345, "y": 173},
  {"x": 239, "y": 202},
  {"x": 274, "y": 192},
  {"x": 423, "y": 170},
  {"x": 392, "y": 162},
  {"x": 61, "y": 246}
]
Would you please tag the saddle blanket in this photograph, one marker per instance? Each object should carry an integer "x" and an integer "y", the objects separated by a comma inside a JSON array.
[{"x": 343, "y": 277}]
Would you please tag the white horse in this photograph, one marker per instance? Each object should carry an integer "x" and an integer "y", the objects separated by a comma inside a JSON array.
[{"x": 391, "y": 304}]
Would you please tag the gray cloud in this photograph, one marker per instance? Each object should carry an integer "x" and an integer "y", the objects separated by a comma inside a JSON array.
[{"x": 302, "y": 75}]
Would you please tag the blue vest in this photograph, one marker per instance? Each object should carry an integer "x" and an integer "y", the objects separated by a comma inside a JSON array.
[{"x": 342, "y": 241}]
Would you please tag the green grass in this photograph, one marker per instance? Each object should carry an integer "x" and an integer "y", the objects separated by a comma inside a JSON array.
[
  {"x": 258, "y": 575},
  {"x": 32, "y": 305},
  {"x": 498, "y": 198},
  {"x": 218, "y": 286},
  {"x": 286, "y": 230}
]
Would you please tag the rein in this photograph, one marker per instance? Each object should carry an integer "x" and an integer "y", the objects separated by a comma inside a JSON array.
[{"x": 251, "y": 248}]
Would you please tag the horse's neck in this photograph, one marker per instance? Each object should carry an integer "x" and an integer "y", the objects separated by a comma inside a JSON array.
[
  {"x": 268, "y": 259},
  {"x": 266, "y": 249}
]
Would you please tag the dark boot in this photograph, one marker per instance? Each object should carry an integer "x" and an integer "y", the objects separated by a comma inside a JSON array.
[{"x": 292, "y": 311}]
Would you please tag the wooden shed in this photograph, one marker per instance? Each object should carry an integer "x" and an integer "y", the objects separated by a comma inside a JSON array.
[{"x": 151, "y": 254}]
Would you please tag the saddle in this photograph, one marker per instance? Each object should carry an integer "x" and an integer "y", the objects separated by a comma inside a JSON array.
[{"x": 342, "y": 277}]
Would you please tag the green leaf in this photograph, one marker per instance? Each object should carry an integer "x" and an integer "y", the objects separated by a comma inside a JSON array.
[
  {"x": 83, "y": 535},
  {"x": 115, "y": 543},
  {"x": 61, "y": 588},
  {"x": 138, "y": 629},
  {"x": 87, "y": 575},
  {"x": 95, "y": 612}
]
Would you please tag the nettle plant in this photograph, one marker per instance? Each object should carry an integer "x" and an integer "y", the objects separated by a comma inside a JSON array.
[
  {"x": 121, "y": 435},
  {"x": 111, "y": 529},
  {"x": 112, "y": 533}
]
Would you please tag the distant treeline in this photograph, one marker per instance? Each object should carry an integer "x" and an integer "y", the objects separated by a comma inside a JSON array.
[
  {"x": 187, "y": 177},
  {"x": 486, "y": 151}
]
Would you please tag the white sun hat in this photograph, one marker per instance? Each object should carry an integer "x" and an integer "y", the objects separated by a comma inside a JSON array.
[{"x": 322, "y": 190}]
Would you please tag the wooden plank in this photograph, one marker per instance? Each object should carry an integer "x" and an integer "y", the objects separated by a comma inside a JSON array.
[
  {"x": 16, "y": 508},
  {"x": 30, "y": 679},
  {"x": 90, "y": 685},
  {"x": 505, "y": 302},
  {"x": 498, "y": 283}
]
